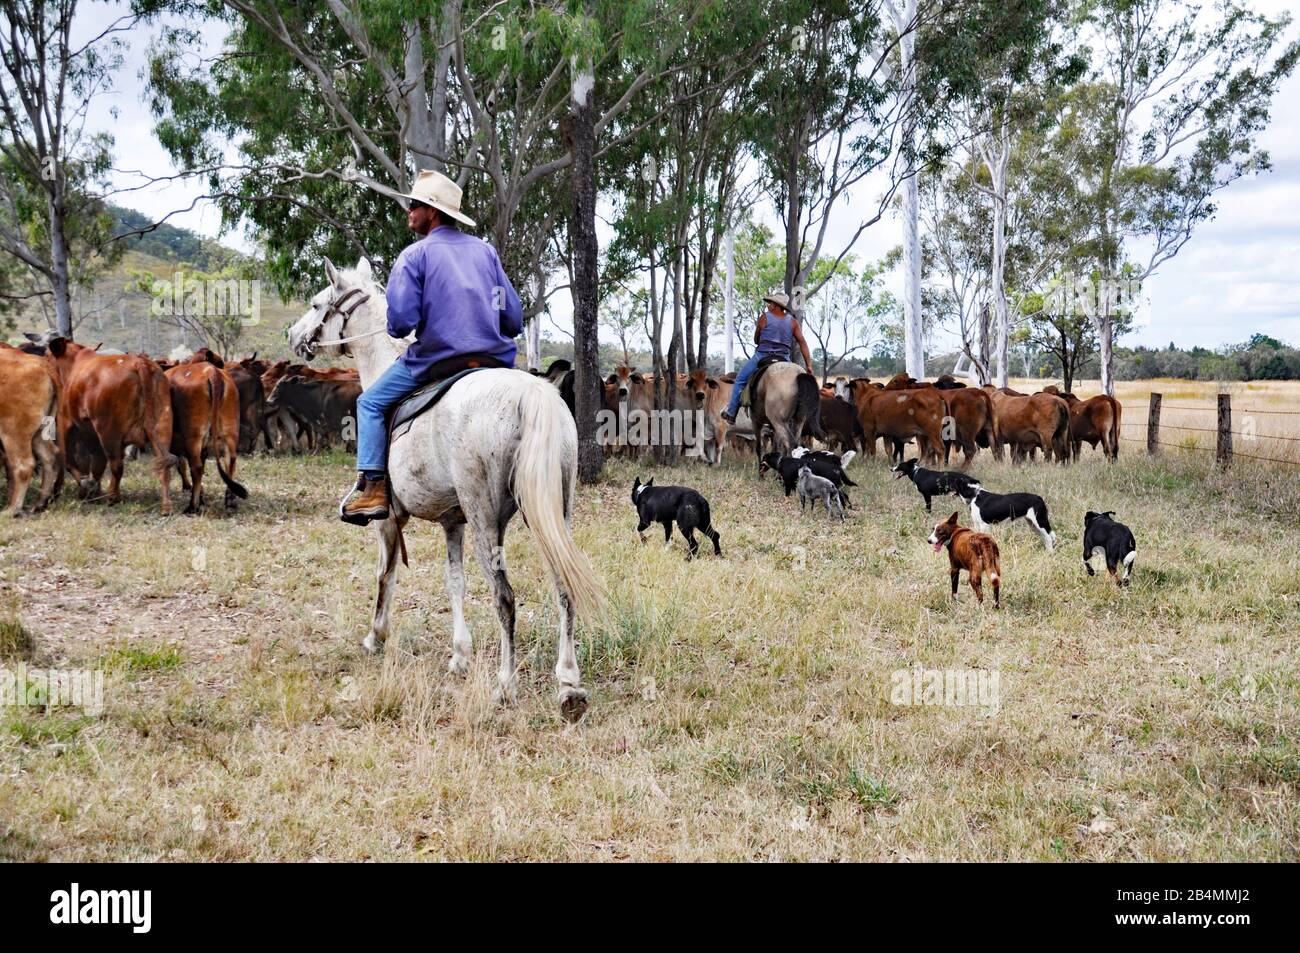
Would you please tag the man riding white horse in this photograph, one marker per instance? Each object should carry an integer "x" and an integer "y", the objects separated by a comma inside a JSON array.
[
  {"x": 776, "y": 329},
  {"x": 450, "y": 290}
]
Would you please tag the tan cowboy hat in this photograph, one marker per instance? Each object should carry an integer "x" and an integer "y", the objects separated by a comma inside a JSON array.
[
  {"x": 779, "y": 298},
  {"x": 434, "y": 188}
]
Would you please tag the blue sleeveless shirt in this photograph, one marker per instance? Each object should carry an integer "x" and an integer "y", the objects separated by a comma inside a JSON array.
[{"x": 777, "y": 336}]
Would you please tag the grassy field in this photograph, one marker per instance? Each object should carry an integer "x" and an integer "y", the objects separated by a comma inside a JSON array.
[{"x": 741, "y": 707}]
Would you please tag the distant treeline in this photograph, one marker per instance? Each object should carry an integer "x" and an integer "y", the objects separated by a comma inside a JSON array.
[
  {"x": 1261, "y": 358},
  {"x": 170, "y": 242}
]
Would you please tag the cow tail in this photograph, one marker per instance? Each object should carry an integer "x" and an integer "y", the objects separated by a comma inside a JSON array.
[
  {"x": 995, "y": 435},
  {"x": 1061, "y": 437},
  {"x": 157, "y": 396},
  {"x": 544, "y": 479},
  {"x": 50, "y": 419},
  {"x": 808, "y": 405},
  {"x": 216, "y": 433},
  {"x": 1117, "y": 408}
]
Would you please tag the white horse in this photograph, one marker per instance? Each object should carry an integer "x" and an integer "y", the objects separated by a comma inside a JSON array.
[{"x": 499, "y": 441}]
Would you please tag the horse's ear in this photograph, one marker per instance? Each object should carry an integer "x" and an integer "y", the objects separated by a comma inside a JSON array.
[
  {"x": 332, "y": 273},
  {"x": 363, "y": 268}
]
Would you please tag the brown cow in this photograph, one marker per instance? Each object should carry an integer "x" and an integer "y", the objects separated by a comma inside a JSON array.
[
  {"x": 108, "y": 402},
  {"x": 247, "y": 375},
  {"x": 29, "y": 399},
  {"x": 709, "y": 396},
  {"x": 1031, "y": 422},
  {"x": 1092, "y": 421},
  {"x": 904, "y": 382},
  {"x": 205, "y": 413},
  {"x": 633, "y": 395},
  {"x": 900, "y": 415},
  {"x": 972, "y": 424}
]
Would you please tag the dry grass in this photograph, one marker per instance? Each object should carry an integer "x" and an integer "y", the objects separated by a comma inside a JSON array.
[{"x": 741, "y": 707}]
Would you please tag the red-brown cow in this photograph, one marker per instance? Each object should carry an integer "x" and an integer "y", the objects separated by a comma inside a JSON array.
[
  {"x": 29, "y": 396},
  {"x": 205, "y": 411},
  {"x": 108, "y": 402}
]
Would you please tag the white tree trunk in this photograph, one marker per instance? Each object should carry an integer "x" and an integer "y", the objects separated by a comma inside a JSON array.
[
  {"x": 997, "y": 163},
  {"x": 729, "y": 354},
  {"x": 1105, "y": 345},
  {"x": 533, "y": 342},
  {"x": 903, "y": 14}
]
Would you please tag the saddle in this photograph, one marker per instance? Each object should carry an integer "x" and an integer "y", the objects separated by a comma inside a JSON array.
[
  {"x": 421, "y": 400},
  {"x": 752, "y": 390}
]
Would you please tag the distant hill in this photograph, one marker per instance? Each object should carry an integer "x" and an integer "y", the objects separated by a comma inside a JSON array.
[
  {"x": 117, "y": 312},
  {"x": 171, "y": 243}
]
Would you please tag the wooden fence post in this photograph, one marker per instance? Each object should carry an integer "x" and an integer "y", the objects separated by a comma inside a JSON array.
[
  {"x": 1153, "y": 425},
  {"x": 1223, "y": 449}
]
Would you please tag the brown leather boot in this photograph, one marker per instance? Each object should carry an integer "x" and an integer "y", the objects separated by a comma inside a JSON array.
[{"x": 367, "y": 501}]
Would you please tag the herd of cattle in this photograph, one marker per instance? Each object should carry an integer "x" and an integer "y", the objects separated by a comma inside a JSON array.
[
  {"x": 855, "y": 413},
  {"x": 74, "y": 408},
  {"x": 66, "y": 406}
]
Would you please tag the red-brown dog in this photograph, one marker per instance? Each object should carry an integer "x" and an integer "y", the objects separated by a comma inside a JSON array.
[{"x": 972, "y": 551}]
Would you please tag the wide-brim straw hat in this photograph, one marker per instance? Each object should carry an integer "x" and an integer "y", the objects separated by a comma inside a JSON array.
[
  {"x": 778, "y": 298},
  {"x": 435, "y": 189}
]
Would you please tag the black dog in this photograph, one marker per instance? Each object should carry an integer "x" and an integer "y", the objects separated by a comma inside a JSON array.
[
  {"x": 1103, "y": 536},
  {"x": 822, "y": 464},
  {"x": 666, "y": 504},
  {"x": 929, "y": 483},
  {"x": 990, "y": 508}
]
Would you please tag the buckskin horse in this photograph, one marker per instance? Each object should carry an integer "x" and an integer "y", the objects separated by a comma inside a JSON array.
[
  {"x": 499, "y": 441},
  {"x": 789, "y": 400}
]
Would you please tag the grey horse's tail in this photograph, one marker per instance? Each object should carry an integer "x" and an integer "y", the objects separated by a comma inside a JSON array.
[{"x": 543, "y": 487}]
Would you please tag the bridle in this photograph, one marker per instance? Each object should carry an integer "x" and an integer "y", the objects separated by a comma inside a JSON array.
[{"x": 345, "y": 305}]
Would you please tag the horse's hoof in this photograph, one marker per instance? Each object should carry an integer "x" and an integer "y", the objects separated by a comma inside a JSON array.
[
  {"x": 459, "y": 665},
  {"x": 372, "y": 645},
  {"x": 573, "y": 704}
]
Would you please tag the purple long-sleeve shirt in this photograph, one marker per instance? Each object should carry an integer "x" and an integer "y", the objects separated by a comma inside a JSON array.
[{"x": 449, "y": 288}]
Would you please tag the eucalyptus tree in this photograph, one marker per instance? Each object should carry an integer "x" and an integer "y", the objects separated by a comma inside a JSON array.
[
  {"x": 1168, "y": 119},
  {"x": 51, "y": 218}
]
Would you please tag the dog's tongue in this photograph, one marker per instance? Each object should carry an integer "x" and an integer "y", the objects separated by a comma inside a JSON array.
[{"x": 938, "y": 546}]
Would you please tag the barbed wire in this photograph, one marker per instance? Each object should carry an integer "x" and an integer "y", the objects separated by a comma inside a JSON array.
[
  {"x": 1235, "y": 453},
  {"x": 1235, "y": 410},
  {"x": 1215, "y": 430}
]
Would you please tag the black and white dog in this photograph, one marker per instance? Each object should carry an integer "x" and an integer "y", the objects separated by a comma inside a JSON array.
[
  {"x": 1102, "y": 536},
  {"x": 929, "y": 483},
  {"x": 988, "y": 509},
  {"x": 829, "y": 466},
  {"x": 669, "y": 504}
]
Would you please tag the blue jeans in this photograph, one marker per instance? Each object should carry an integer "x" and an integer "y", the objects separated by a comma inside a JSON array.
[
  {"x": 742, "y": 381},
  {"x": 373, "y": 406}
]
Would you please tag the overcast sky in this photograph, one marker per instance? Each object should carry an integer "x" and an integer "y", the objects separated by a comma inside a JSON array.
[{"x": 1236, "y": 276}]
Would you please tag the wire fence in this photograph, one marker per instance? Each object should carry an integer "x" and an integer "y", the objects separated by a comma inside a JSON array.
[{"x": 1224, "y": 449}]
